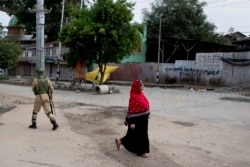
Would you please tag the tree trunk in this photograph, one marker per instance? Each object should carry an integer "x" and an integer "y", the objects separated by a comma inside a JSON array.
[{"x": 102, "y": 69}]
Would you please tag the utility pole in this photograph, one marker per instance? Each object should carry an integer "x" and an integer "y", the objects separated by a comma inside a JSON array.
[
  {"x": 60, "y": 46},
  {"x": 159, "y": 51},
  {"x": 40, "y": 21},
  {"x": 81, "y": 4}
]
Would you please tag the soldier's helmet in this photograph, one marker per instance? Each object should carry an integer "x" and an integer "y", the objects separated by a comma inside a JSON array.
[{"x": 39, "y": 72}]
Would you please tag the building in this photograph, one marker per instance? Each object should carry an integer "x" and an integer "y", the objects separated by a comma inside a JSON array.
[
  {"x": 16, "y": 33},
  {"x": 243, "y": 43},
  {"x": 139, "y": 54},
  {"x": 53, "y": 61},
  {"x": 27, "y": 60},
  {"x": 235, "y": 36}
]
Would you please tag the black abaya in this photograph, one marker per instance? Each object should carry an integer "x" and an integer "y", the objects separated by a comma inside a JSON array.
[{"x": 136, "y": 140}]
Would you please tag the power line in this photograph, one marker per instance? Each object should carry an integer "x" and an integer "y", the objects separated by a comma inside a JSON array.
[{"x": 225, "y": 3}]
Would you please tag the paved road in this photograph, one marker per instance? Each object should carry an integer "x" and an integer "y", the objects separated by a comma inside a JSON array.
[
  {"x": 222, "y": 126},
  {"x": 177, "y": 102}
]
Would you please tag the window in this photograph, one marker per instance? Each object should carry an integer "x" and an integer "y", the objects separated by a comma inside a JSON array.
[
  {"x": 26, "y": 54},
  {"x": 54, "y": 52},
  {"x": 47, "y": 52},
  {"x": 33, "y": 53}
]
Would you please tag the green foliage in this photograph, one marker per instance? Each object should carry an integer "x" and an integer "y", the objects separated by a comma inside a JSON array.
[
  {"x": 101, "y": 34},
  {"x": 1, "y": 30},
  {"x": 139, "y": 27},
  {"x": 180, "y": 19},
  {"x": 217, "y": 38},
  {"x": 9, "y": 52},
  {"x": 19, "y": 8},
  {"x": 9, "y": 6}
]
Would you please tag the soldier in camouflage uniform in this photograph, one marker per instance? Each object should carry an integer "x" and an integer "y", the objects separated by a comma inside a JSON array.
[{"x": 43, "y": 90}]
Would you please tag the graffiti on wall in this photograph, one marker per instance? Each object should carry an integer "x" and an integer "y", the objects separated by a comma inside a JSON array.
[
  {"x": 209, "y": 61},
  {"x": 187, "y": 72},
  {"x": 206, "y": 65}
]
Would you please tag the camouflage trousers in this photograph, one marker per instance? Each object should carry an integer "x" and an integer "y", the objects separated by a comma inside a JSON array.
[{"x": 42, "y": 100}]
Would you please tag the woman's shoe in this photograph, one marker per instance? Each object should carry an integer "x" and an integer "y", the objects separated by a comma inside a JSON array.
[{"x": 117, "y": 144}]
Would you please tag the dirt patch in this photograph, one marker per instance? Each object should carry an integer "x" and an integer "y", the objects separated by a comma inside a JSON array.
[
  {"x": 8, "y": 103},
  {"x": 6, "y": 107},
  {"x": 189, "y": 124},
  {"x": 237, "y": 99},
  {"x": 103, "y": 125},
  {"x": 173, "y": 140},
  {"x": 94, "y": 119}
]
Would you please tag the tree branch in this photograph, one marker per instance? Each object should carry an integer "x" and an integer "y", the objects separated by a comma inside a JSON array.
[{"x": 7, "y": 10}]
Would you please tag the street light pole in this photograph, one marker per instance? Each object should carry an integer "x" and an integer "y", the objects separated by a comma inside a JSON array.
[
  {"x": 40, "y": 21},
  {"x": 159, "y": 50},
  {"x": 58, "y": 72}
]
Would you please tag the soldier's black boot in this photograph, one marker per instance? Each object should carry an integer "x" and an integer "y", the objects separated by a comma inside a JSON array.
[
  {"x": 55, "y": 125},
  {"x": 33, "y": 125}
]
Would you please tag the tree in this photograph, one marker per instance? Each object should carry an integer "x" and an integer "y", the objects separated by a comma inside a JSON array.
[
  {"x": 1, "y": 30},
  {"x": 8, "y": 6},
  {"x": 19, "y": 8},
  {"x": 180, "y": 19},
  {"x": 101, "y": 34},
  {"x": 9, "y": 53}
]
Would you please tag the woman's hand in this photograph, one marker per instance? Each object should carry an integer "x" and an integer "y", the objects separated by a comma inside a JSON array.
[{"x": 132, "y": 126}]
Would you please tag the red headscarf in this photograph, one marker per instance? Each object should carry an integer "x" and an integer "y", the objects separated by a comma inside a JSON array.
[{"x": 138, "y": 102}]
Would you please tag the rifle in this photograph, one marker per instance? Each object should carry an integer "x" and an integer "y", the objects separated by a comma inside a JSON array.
[
  {"x": 51, "y": 103},
  {"x": 52, "y": 107}
]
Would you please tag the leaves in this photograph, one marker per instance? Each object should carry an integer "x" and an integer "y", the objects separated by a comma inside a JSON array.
[
  {"x": 1, "y": 30},
  {"x": 19, "y": 8},
  {"x": 101, "y": 34},
  {"x": 9, "y": 52},
  {"x": 180, "y": 19}
]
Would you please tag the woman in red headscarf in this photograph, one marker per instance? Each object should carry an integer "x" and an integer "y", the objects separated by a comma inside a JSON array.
[{"x": 136, "y": 139}]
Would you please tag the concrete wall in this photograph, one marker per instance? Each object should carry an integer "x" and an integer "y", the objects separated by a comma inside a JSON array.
[
  {"x": 236, "y": 74},
  {"x": 207, "y": 69}
]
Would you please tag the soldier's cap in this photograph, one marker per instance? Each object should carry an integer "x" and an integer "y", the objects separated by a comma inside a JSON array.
[{"x": 39, "y": 72}]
